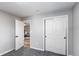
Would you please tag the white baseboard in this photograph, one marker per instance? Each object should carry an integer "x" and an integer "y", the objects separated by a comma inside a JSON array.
[
  {"x": 37, "y": 48},
  {"x": 6, "y": 52}
]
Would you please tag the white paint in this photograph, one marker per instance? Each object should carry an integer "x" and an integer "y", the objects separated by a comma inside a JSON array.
[
  {"x": 56, "y": 30},
  {"x": 76, "y": 30},
  {"x": 37, "y": 29},
  {"x": 19, "y": 41},
  {"x": 23, "y": 9},
  {"x": 7, "y": 32}
]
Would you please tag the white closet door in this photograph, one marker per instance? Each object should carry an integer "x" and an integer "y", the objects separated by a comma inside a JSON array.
[{"x": 56, "y": 34}]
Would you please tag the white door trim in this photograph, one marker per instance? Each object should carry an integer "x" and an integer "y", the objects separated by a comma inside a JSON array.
[{"x": 44, "y": 40}]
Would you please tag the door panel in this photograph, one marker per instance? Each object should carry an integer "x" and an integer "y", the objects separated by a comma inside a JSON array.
[
  {"x": 19, "y": 42},
  {"x": 55, "y": 33}
]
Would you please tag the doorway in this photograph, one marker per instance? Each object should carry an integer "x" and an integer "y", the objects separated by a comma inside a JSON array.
[
  {"x": 22, "y": 32},
  {"x": 56, "y": 34},
  {"x": 27, "y": 35}
]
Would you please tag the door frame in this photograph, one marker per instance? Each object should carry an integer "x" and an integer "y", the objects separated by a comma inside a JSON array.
[{"x": 44, "y": 32}]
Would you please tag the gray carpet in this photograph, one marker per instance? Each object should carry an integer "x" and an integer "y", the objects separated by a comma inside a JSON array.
[{"x": 30, "y": 52}]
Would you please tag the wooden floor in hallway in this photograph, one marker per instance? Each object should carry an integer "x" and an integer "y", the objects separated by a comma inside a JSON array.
[{"x": 27, "y": 42}]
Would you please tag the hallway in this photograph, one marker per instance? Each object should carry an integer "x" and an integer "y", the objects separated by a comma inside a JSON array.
[{"x": 30, "y": 52}]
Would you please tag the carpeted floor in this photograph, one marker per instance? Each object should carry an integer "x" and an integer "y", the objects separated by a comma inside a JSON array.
[{"x": 31, "y": 52}]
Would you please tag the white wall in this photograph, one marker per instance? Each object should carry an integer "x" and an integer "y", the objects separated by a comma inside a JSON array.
[
  {"x": 36, "y": 29},
  {"x": 7, "y": 32},
  {"x": 76, "y": 30}
]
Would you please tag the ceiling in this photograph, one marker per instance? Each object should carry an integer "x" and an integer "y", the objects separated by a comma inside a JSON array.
[{"x": 24, "y": 9}]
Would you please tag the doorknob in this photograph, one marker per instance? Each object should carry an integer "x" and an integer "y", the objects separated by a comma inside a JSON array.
[
  {"x": 45, "y": 36},
  {"x": 65, "y": 37},
  {"x": 17, "y": 36}
]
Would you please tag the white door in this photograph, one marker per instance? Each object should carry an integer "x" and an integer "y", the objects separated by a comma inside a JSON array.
[
  {"x": 56, "y": 34},
  {"x": 19, "y": 41}
]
